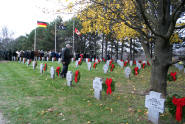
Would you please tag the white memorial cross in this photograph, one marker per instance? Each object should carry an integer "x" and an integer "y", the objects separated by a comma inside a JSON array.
[
  {"x": 105, "y": 68},
  {"x": 155, "y": 104},
  {"x": 69, "y": 78},
  {"x": 127, "y": 72},
  {"x": 52, "y": 72},
  {"x": 41, "y": 68},
  {"x": 89, "y": 65},
  {"x": 97, "y": 86}
]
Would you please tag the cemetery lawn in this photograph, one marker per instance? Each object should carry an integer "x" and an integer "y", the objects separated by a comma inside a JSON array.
[{"x": 27, "y": 97}]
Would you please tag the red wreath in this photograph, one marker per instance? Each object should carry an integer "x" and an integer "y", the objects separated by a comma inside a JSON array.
[
  {"x": 94, "y": 66},
  {"x": 103, "y": 59},
  {"x": 148, "y": 63},
  {"x": 45, "y": 67},
  {"x": 77, "y": 76},
  {"x": 143, "y": 65},
  {"x": 58, "y": 70},
  {"x": 134, "y": 62},
  {"x": 125, "y": 63},
  {"x": 110, "y": 63},
  {"x": 108, "y": 83},
  {"x": 179, "y": 102},
  {"x": 112, "y": 67}
]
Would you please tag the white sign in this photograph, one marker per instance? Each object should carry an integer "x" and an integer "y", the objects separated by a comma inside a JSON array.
[
  {"x": 97, "y": 86},
  {"x": 155, "y": 104},
  {"x": 127, "y": 72},
  {"x": 105, "y": 68},
  {"x": 69, "y": 78},
  {"x": 41, "y": 68},
  {"x": 52, "y": 72}
]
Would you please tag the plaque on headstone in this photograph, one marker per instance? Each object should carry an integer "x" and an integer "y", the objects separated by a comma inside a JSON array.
[
  {"x": 89, "y": 65},
  {"x": 52, "y": 72},
  {"x": 105, "y": 68},
  {"x": 138, "y": 65},
  {"x": 155, "y": 104},
  {"x": 97, "y": 86},
  {"x": 69, "y": 78},
  {"x": 41, "y": 68},
  {"x": 127, "y": 72}
]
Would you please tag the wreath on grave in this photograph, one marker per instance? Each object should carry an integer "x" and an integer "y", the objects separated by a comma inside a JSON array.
[
  {"x": 134, "y": 62},
  {"x": 143, "y": 65},
  {"x": 79, "y": 62},
  {"x": 58, "y": 70},
  {"x": 108, "y": 86},
  {"x": 125, "y": 63},
  {"x": 110, "y": 62},
  {"x": 77, "y": 76},
  {"x": 29, "y": 62},
  {"x": 176, "y": 107},
  {"x": 135, "y": 71},
  {"x": 112, "y": 67},
  {"x": 103, "y": 59},
  {"x": 148, "y": 63},
  {"x": 172, "y": 76},
  {"x": 94, "y": 65},
  {"x": 45, "y": 67}
]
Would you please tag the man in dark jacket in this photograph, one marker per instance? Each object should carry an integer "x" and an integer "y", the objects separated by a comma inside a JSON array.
[{"x": 66, "y": 57}]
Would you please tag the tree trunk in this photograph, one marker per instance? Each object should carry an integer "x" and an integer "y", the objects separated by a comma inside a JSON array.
[
  {"x": 160, "y": 66},
  {"x": 122, "y": 50},
  {"x": 130, "y": 49},
  {"x": 117, "y": 50}
]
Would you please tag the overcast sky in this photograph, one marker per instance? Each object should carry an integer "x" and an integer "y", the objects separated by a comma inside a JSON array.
[{"x": 20, "y": 16}]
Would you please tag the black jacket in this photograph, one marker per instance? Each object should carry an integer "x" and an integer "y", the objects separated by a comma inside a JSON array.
[{"x": 66, "y": 56}]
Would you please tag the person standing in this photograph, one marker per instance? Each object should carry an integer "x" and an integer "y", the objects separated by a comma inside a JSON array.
[{"x": 66, "y": 57}]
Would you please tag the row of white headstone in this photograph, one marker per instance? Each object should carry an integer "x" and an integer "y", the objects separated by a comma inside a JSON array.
[{"x": 43, "y": 59}]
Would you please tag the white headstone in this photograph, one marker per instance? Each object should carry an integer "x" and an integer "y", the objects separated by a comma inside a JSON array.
[
  {"x": 52, "y": 72},
  {"x": 53, "y": 59},
  {"x": 34, "y": 64},
  {"x": 89, "y": 65},
  {"x": 38, "y": 58},
  {"x": 127, "y": 72},
  {"x": 59, "y": 60},
  {"x": 155, "y": 104},
  {"x": 105, "y": 68},
  {"x": 131, "y": 62},
  {"x": 138, "y": 65},
  {"x": 92, "y": 59},
  {"x": 19, "y": 59},
  {"x": 76, "y": 63},
  {"x": 43, "y": 59},
  {"x": 97, "y": 86},
  {"x": 41, "y": 68},
  {"x": 180, "y": 67},
  {"x": 47, "y": 58},
  {"x": 96, "y": 61},
  {"x": 86, "y": 60},
  {"x": 69, "y": 78},
  {"x": 27, "y": 63}
]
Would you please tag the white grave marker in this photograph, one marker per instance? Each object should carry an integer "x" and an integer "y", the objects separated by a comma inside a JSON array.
[
  {"x": 155, "y": 104},
  {"x": 47, "y": 58},
  {"x": 76, "y": 63},
  {"x": 41, "y": 68},
  {"x": 27, "y": 63},
  {"x": 92, "y": 59},
  {"x": 52, "y": 72},
  {"x": 53, "y": 59},
  {"x": 131, "y": 63},
  {"x": 34, "y": 65},
  {"x": 97, "y": 86},
  {"x": 89, "y": 65},
  {"x": 138, "y": 65},
  {"x": 59, "y": 60},
  {"x": 127, "y": 72},
  {"x": 105, "y": 68},
  {"x": 69, "y": 78}
]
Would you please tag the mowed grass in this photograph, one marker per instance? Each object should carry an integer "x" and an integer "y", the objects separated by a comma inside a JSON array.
[{"x": 27, "y": 97}]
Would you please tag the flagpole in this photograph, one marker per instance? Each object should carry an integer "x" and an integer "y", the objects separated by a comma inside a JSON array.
[
  {"x": 35, "y": 39},
  {"x": 55, "y": 37},
  {"x": 73, "y": 37}
]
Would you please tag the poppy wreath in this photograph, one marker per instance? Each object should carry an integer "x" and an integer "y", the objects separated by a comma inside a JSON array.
[
  {"x": 176, "y": 107},
  {"x": 112, "y": 67},
  {"x": 77, "y": 76},
  {"x": 135, "y": 71},
  {"x": 109, "y": 86},
  {"x": 172, "y": 76},
  {"x": 58, "y": 70},
  {"x": 45, "y": 67}
]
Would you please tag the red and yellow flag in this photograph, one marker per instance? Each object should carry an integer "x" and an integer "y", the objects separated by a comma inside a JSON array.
[{"x": 41, "y": 24}]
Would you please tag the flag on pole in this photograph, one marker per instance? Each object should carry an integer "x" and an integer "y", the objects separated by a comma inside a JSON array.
[
  {"x": 77, "y": 32},
  {"x": 62, "y": 27},
  {"x": 41, "y": 24}
]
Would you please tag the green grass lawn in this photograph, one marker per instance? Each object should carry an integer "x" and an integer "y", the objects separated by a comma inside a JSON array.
[{"x": 27, "y": 97}]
